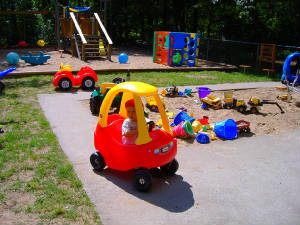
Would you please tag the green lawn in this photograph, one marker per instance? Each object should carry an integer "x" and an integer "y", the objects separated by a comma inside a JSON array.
[
  {"x": 163, "y": 79},
  {"x": 37, "y": 183}
]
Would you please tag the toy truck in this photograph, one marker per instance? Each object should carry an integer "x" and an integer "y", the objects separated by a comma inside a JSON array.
[
  {"x": 256, "y": 103},
  {"x": 233, "y": 103},
  {"x": 170, "y": 92},
  {"x": 212, "y": 101},
  {"x": 151, "y": 103}
]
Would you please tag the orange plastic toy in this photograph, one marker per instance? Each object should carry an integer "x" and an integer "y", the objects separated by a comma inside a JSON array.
[{"x": 152, "y": 149}]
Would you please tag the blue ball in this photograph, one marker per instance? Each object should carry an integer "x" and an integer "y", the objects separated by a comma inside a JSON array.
[
  {"x": 12, "y": 58},
  {"x": 123, "y": 58}
]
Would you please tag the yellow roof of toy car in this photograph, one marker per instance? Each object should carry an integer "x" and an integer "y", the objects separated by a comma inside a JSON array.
[
  {"x": 134, "y": 90},
  {"x": 139, "y": 88}
]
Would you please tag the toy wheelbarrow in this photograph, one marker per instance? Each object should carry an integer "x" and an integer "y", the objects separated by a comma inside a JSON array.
[{"x": 243, "y": 126}]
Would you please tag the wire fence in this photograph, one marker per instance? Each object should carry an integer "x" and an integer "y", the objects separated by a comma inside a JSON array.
[{"x": 241, "y": 53}]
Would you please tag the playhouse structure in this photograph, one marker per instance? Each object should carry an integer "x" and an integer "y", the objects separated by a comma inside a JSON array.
[
  {"x": 84, "y": 34},
  {"x": 175, "y": 48}
]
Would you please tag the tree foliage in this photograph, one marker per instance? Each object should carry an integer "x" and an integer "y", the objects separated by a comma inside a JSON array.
[{"x": 131, "y": 21}]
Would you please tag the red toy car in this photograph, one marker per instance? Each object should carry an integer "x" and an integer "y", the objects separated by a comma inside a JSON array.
[
  {"x": 152, "y": 148},
  {"x": 85, "y": 78}
]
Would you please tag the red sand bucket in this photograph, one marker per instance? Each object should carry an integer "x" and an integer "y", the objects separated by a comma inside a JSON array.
[{"x": 184, "y": 129}]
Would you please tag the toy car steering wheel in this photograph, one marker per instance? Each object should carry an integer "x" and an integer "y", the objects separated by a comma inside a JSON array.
[{"x": 118, "y": 80}]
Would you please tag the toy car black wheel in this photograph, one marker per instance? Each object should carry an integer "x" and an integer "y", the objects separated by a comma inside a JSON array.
[
  {"x": 97, "y": 161},
  {"x": 65, "y": 83},
  {"x": 95, "y": 104},
  {"x": 170, "y": 168},
  {"x": 2, "y": 87},
  {"x": 142, "y": 180},
  {"x": 247, "y": 130},
  {"x": 88, "y": 83}
]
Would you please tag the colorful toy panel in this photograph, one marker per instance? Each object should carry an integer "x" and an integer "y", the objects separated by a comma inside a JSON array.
[{"x": 175, "y": 48}]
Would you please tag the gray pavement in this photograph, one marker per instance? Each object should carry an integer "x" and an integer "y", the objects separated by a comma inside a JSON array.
[{"x": 245, "y": 181}]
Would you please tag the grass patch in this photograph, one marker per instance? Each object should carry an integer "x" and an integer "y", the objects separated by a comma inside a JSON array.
[
  {"x": 32, "y": 163},
  {"x": 163, "y": 79}
]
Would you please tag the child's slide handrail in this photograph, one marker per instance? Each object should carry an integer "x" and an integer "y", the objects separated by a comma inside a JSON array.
[
  {"x": 103, "y": 29},
  {"x": 78, "y": 28}
]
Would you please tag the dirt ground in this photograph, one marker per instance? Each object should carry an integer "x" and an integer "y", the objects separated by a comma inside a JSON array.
[
  {"x": 269, "y": 120},
  {"x": 138, "y": 58}
]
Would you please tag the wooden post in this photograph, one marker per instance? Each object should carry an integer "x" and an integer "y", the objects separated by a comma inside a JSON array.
[
  {"x": 83, "y": 52},
  {"x": 73, "y": 46},
  {"x": 109, "y": 52},
  {"x": 57, "y": 25}
]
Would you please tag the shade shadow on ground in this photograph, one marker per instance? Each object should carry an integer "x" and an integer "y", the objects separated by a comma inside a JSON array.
[{"x": 171, "y": 193}]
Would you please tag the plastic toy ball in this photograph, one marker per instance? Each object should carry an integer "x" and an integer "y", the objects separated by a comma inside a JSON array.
[
  {"x": 12, "y": 58},
  {"x": 123, "y": 58},
  {"x": 22, "y": 44},
  {"x": 41, "y": 43}
]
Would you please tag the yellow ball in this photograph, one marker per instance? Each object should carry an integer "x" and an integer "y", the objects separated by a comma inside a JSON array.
[
  {"x": 41, "y": 43},
  {"x": 196, "y": 126}
]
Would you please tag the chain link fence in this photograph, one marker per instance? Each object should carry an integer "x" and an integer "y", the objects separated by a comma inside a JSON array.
[{"x": 241, "y": 53}]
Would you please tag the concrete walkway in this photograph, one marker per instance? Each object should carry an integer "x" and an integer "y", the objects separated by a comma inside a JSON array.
[{"x": 246, "y": 181}]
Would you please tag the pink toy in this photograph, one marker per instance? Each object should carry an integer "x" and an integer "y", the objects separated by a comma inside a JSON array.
[{"x": 85, "y": 78}]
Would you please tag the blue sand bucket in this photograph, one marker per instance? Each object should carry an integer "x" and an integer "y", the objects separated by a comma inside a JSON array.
[
  {"x": 202, "y": 138},
  {"x": 183, "y": 116},
  {"x": 226, "y": 129},
  {"x": 203, "y": 91}
]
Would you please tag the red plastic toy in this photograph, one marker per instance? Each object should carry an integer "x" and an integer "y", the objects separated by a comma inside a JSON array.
[
  {"x": 152, "y": 149},
  {"x": 85, "y": 78}
]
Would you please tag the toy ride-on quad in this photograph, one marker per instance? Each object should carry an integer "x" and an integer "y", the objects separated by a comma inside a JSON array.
[
  {"x": 85, "y": 78},
  {"x": 153, "y": 149},
  {"x": 98, "y": 96},
  {"x": 99, "y": 93}
]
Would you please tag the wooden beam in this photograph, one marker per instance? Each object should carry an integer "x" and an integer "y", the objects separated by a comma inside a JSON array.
[{"x": 10, "y": 12}]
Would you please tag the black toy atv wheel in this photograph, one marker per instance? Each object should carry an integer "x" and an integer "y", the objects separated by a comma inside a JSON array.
[
  {"x": 95, "y": 103},
  {"x": 170, "y": 168},
  {"x": 65, "y": 83},
  {"x": 142, "y": 180},
  {"x": 2, "y": 87},
  {"x": 88, "y": 83},
  {"x": 97, "y": 161}
]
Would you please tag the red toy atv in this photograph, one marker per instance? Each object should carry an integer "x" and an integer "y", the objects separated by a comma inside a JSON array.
[
  {"x": 85, "y": 78},
  {"x": 152, "y": 148}
]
